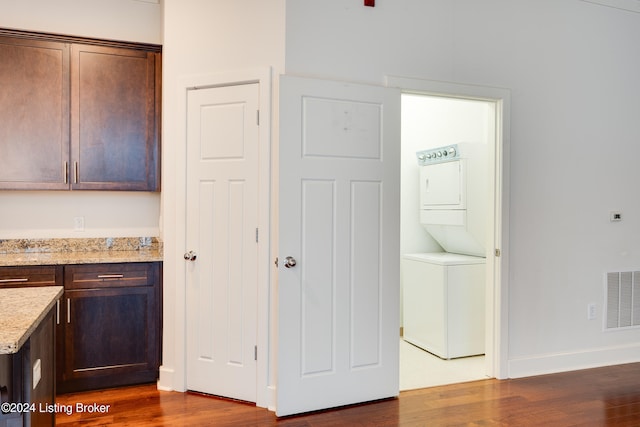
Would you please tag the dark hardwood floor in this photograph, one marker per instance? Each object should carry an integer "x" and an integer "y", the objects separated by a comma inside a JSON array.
[{"x": 607, "y": 396}]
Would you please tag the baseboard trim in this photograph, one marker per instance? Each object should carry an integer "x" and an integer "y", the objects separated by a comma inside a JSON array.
[
  {"x": 165, "y": 380},
  {"x": 271, "y": 392},
  {"x": 563, "y": 362}
]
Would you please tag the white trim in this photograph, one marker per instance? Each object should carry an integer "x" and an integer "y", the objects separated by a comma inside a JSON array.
[
  {"x": 166, "y": 377},
  {"x": 174, "y": 377},
  {"x": 571, "y": 361},
  {"x": 497, "y": 297}
]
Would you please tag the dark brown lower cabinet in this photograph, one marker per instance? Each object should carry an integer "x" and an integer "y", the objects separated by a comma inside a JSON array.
[
  {"x": 107, "y": 325},
  {"x": 32, "y": 398},
  {"x": 110, "y": 326}
]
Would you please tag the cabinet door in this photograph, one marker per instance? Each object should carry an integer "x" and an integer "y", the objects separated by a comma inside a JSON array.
[
  {"x": 114, "y": 120},
  {"x": 109, "y": 331},
  {"x": 111, "y": 318},
  {"x": 34, "y": 113}
]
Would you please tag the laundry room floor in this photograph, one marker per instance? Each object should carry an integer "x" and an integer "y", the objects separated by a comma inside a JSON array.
[{"x": 420, "y": 369}]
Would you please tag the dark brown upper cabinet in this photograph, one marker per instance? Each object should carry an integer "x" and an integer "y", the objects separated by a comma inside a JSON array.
[
  {"x": 113, "y": 118},
  {"x": 34, "y": 114},
  {"x": 81, "y": 114}
]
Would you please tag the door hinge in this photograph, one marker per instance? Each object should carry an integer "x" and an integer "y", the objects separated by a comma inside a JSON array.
[
  {"x": 255, "y": 352},
  {"x": 258, "y": 117},
  {"x": 497, "y": 252},
  {"x": 257, "y": 235}
]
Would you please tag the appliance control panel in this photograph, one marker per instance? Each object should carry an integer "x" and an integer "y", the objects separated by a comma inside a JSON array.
[{"x": 438, "y": 155}]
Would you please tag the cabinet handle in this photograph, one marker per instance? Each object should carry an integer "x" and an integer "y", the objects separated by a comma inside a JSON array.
[
  {"x": 68, "y": 310},
  {"x": 110, "y": 276},
  {"x": 75, "y": 172},
  {"x": 66, "y": 172},
  {"x": 58, "y": 312},
  {"x": 23, "y": 279}
]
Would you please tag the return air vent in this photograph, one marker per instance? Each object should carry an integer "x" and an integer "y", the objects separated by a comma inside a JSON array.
[{"x": 623, "y": 300}]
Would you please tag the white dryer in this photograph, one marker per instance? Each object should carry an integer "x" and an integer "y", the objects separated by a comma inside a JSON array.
[{"x": 453, "y": 196}]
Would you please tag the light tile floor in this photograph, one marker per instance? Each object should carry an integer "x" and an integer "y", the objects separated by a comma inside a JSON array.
[{"x": 420, "y": 369}]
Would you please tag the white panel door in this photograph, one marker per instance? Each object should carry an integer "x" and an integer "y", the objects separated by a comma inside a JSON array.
[
  {"x": 222, "y": 216},
  {"x": 339, "y": 190}
]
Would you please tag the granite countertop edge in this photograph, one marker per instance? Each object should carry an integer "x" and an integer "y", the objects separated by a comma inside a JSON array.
[
  {"x": 61, "y": 251},
  {"x": 22, "y": 311},
  {"x": 63, "y": 258}
]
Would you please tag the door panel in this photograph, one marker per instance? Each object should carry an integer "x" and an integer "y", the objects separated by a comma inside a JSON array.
[
  {"x": 366, "y": 263},
  {"x": 222, "y": 216},
  {"x": 318, "y": 275},
  {"x": 339, "y": 218}
]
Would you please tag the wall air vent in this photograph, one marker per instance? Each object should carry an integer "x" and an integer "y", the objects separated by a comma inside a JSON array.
[
  {"x": 622, "y": 300},
  {"x": 630, "y": 5}
]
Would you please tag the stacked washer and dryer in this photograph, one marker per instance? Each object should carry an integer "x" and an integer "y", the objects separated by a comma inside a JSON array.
[{"x": 443, "y": 292}]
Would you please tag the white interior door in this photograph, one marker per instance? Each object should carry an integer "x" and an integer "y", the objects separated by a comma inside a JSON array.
[
  {"x": 339, "y": 202},
  {"x": 221, "y": 230}
]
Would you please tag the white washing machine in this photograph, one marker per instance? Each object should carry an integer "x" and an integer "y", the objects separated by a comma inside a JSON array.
[{"x": 443, "y": 297}]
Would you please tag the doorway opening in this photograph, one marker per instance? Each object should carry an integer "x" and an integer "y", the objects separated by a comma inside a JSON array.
[{"x": 431, "y": 121}]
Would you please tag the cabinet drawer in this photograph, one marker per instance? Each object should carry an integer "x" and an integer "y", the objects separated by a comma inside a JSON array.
[
  {"x": 93, "y": 276},
  {"x": 14, "y": 277}
]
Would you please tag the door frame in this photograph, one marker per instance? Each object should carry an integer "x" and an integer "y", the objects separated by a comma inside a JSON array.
[
  {"x": 173, "y": 372},
  {"x": 497, "y": 265}
]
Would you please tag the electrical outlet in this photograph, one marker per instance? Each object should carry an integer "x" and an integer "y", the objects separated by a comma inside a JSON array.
[
  {"x": 591, "y": 311},
  {"x": 37, "y": 373},
  {"x": 78, "y": 223},
  {"x": 615, "y": 216}
]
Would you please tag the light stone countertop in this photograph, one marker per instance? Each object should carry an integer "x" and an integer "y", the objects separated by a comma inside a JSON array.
[
  {"x": 21, "y": 311},
  {"x": 29, "y": 252},
  {"x": 66, "y": 258}
]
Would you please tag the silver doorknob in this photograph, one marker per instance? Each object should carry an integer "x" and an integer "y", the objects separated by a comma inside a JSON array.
[
  {"x": 190, "y": 256},
  {"x": 289, "y": 262}
]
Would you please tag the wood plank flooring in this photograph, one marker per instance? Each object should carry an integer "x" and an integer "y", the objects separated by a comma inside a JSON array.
[{"x": 607, "y": 396}]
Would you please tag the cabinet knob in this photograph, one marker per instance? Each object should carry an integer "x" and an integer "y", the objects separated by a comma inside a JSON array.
[{"x": 190, "y": 256}]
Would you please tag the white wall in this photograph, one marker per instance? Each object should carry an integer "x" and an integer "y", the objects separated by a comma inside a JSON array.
[
  {"x": 25, "y": 214},
  {"x": 571, "y": 67},
  {"x": 50, "y": 214},
  {"x": 127, "y": 20}
]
